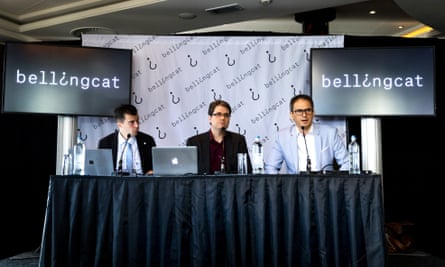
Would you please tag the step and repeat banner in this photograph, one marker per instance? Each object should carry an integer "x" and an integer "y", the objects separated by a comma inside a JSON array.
[{"x": 174, "y": 78}]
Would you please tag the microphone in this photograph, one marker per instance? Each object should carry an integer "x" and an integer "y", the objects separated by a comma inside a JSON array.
[
  {"x": 119, "y": 169},
  {"x": 308, "y": 160}
]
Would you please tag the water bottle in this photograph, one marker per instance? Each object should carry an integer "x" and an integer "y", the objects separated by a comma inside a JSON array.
[
  {"x": 257, "y": 156},
  {"x": 79, "y": 153},
  {"x": 354, "y": 156}
]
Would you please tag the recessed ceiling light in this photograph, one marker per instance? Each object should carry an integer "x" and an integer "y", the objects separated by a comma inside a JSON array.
[
  {"x": 372, "y": 12},
  {"x": 265, "y": 2},
  {"x": 187, "y": 15}
]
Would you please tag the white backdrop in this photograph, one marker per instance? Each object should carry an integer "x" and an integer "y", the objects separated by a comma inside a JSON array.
[{"x": 176, "y": 77}]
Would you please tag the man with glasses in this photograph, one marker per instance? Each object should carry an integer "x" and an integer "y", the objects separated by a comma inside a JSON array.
[
  {"x": 131, "y": 148},
  {"x": 218, "y": 147},
  {"x": 306, "y": 147}
]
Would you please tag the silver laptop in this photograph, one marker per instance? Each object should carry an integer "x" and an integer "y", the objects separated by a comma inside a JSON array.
[
  {"x": 175, "y": 160},
  {"x": 99, "y": 162}
]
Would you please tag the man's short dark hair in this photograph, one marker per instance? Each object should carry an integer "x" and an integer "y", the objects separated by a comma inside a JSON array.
[
  {"x": 298, "y": 97},
  {"x": 120, "y": 111},
  {"x": 216, "y": 103}
]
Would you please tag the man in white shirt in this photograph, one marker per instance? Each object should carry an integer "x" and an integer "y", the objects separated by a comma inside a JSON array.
[{"x": 306, "y": 147}]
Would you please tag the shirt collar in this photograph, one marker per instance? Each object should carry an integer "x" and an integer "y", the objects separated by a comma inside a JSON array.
[
  {"x": 122, "y": 140},
  {"x": 309, "y": 131}
]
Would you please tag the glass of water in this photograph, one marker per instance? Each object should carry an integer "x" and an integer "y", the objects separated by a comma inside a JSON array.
[{"x": 242, "y": 163}]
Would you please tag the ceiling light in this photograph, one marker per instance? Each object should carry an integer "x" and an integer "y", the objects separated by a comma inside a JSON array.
[
  {"x": 187, "y": 15},
  {"x": 265, "y": 2},
  {"x": 417, "y": 32}
]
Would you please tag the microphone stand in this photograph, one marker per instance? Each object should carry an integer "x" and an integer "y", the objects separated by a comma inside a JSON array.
[
  {"x": 308, "y": 160},
  {"x": 119, "y": 168}
]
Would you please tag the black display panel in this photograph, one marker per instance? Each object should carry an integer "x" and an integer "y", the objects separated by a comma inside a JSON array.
[
  {"x": 65, "y": 80},
  {"x": 373, "y": 81}
]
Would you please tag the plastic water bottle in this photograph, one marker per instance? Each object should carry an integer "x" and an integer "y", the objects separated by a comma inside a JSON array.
[
  {"x": 354, "y": 156},
  {"x": 79, "y": 153},
  {"x": 257, "y": 156}
]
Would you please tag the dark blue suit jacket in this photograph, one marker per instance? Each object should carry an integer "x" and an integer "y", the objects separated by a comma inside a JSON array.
[{"x": 145, "y": 143}]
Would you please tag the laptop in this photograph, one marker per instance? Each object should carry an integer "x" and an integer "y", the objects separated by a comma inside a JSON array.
[
  {"x": 175, "y": 160},
  {"x": 99, "y": 162}
]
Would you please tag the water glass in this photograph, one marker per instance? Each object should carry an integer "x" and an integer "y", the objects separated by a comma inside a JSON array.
[
  {"x": 67, "y": 168},
  {"x": 242, "y": 163}
]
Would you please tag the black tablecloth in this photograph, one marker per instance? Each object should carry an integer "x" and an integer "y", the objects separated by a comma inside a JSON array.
[{"x": 230, "y": 220}]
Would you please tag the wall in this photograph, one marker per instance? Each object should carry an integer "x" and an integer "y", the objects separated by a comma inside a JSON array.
[
  {"x": 412, "y": 160},
  {"x": 28, "y": 159}
]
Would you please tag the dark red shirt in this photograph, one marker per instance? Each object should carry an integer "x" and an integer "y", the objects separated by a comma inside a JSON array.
[{"x": 216, "y": 154}]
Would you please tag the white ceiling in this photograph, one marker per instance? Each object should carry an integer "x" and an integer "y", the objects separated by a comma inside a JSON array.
[{"x": 56, "y": 20}]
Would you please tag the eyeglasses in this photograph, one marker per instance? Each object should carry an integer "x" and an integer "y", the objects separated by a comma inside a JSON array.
[
  {"x": 219, "y": 114},
  {"x": 307, "y": 111}
]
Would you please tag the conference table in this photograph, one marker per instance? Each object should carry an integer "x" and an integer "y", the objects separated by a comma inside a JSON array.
[{"x": 332, "y": 219}]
